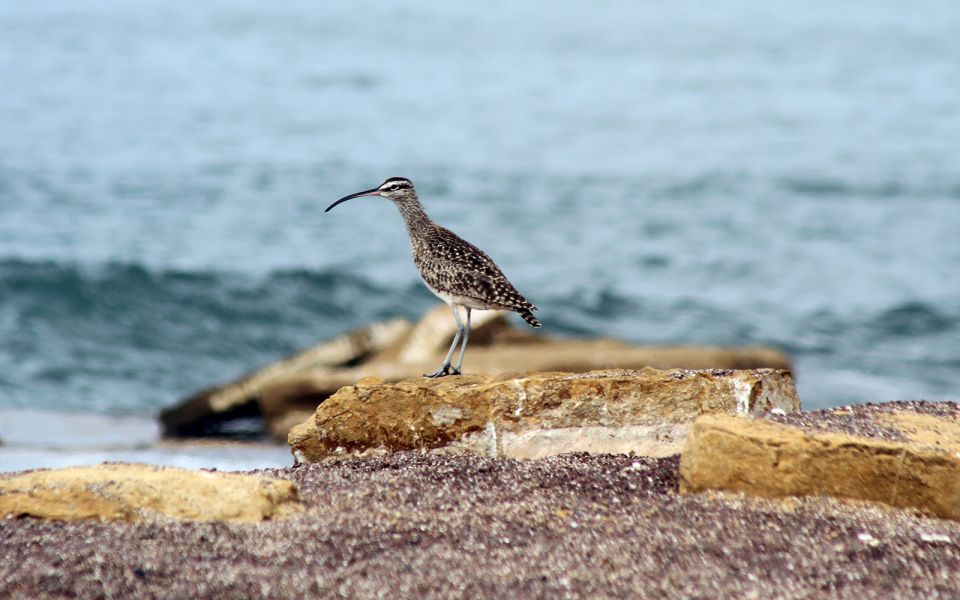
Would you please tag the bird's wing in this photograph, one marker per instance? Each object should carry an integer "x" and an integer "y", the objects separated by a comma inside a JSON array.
[{"x": 461, "y": 268}]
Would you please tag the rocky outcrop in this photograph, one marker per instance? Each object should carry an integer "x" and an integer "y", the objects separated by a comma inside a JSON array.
[
  {"x": 905, "y": 454},
  {"x": 558, "y": 355},
  {"x": 285, "y": 393},
  {"x": 534, "y": 415},
  {"x": 207, "y": 411},
  {"x": 131, "y": 492}
]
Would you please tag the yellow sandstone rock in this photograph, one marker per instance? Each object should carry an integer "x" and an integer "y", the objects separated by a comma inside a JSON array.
[
  {"x": 915, "y": 464},
  {"x": 131, "y": 492},
  {"x": 397, "y": 350},
  {"x": 534, "y": 415}
]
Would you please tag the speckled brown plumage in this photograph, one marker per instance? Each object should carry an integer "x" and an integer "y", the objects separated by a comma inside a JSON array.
[
  {"x": 450, "y": 265},
  {"x": 455, "y": 270}
]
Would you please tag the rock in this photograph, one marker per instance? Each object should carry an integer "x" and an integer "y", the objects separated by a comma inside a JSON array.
[
  {"x": 905, "y": 454},
  {"x": 294, "y": 398},
  {"x": 540, "y": 354},
  {"x": 131, "y": 492},
  {"x": 430, "y": 339},
  {"x": 534, "y": 415},
  {"x": 496, "y": 346},
  {"x": 396, "y": 351},
  {"x": 555, "y": 355},
  {"x": 208, "y": 411}
]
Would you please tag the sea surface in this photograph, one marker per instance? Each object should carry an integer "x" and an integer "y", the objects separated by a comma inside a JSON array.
[{"x": 677, "y": 172}]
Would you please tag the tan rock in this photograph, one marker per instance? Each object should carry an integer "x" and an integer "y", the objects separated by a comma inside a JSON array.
[
  {"x": 397, "y": 351},
  {"x": 131, "y": 492},
  {"x": 201, "y": 413},
  {"x": 534, "y": 415},
  {"x": 296, "y": 395},
  {"x": 914, "y": 463},
  {"x": 431, "y": 336},
  {"x": 543, "y": 355},
  {"x": 496, "y": 346}
]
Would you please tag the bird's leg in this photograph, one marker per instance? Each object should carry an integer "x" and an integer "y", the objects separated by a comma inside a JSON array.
[
  {"x": 445, "y": 367},
  {"x": 463, "y": 342}
]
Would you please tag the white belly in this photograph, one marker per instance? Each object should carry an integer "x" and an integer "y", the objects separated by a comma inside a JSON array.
[{"x": 454, "y": 300}]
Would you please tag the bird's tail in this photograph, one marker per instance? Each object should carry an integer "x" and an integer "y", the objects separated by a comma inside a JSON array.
[{"x": 528, "y": 317}]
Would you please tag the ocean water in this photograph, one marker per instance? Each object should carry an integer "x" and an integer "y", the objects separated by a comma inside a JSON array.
[{"x": 667, "y": 173}]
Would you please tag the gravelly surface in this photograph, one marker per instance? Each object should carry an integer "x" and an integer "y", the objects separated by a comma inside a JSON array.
[
  {"x": 858, "y": 419},
  {"x": 411, "y": 525}
]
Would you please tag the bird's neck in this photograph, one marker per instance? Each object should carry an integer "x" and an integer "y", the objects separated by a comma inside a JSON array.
[{"x": 415, "y": 217}]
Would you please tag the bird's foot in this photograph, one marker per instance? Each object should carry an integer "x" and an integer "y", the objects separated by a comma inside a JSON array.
[{"x": 443, "y": 371}]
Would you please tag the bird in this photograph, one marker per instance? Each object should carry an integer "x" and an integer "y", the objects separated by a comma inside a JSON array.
[{"x": 455, "y": 270}]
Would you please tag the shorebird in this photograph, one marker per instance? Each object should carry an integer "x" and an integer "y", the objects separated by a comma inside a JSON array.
[{"x": 453, "y": 269}]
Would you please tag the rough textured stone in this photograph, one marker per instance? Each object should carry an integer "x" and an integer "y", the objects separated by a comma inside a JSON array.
[
  {"x": 534, "y": 415},
  {"x": 131, "y": 492},
  {"x": 898, "y": 455},
  {"x": 280, "y": 393}
]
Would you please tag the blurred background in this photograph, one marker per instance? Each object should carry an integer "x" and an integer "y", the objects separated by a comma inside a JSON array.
[{"x": 667, "y": 173}]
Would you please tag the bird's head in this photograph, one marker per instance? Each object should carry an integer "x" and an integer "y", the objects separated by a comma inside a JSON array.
[{"x": 398, "y": 189}]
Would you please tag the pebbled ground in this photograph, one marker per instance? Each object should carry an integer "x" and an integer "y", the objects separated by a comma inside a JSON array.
[{"x": 414, "y": 525}]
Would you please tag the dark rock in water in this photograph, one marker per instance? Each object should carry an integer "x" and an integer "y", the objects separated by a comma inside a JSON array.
[
  {"x": 197, "y": 416},
  {"x": 216, "y": 411}
]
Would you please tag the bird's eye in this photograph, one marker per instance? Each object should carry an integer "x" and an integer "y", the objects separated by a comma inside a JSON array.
[{"x": 394, "y": 187}]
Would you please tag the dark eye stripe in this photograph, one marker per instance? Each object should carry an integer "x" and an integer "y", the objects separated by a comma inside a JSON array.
[{"x": 395, "y": 184}]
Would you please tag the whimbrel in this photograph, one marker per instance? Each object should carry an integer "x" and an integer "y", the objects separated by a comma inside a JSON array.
[{"x": 455, "y": 270}]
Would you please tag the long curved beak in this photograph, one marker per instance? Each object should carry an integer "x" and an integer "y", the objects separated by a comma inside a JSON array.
[{"x": 373, "y": 192}]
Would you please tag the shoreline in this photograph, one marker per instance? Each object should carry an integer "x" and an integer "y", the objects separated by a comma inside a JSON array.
[{"x": 31, "y": 439}]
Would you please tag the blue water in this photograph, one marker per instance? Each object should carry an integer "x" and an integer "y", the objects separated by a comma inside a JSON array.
[{"x": 671, "y": 172}]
